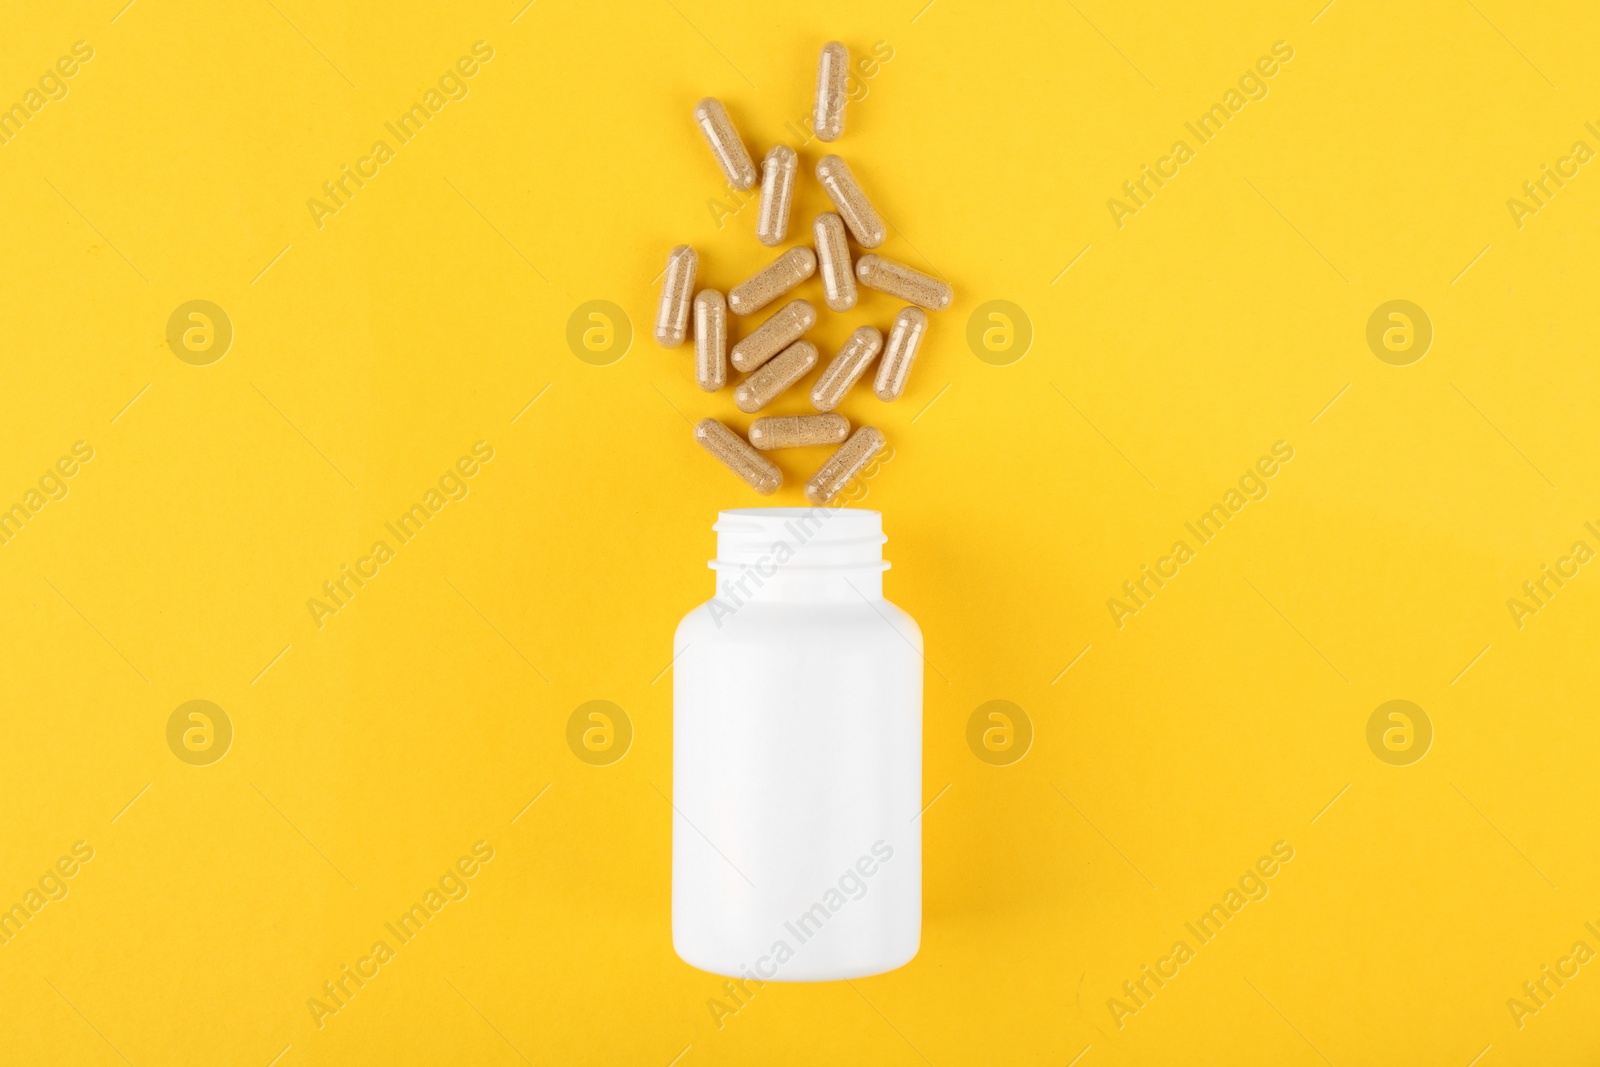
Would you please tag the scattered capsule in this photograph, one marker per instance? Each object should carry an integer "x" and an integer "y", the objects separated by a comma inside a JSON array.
[
  {"x": 732, "y": 157},
  {"x": 677, "y": 286},
  {"x": 798, "y": 431},
  {"x": 907, "y": 283},
  {"x": 777, "y": 194},
  {"x": 736, "y": 454},
  {"x": 710, "y": 340},
  {"x": 832, "y": 68},
  {"x": 772, "y": 281},
  {"x": 841, "y": 186},
  {"x": 905, "y": 337},
  {"x": 833, "y": 262},
  {"x": 775, "y": 376},
  {"x": 773, "y": 336},
  {"x": 846, "y": 368},
  {"x": 844, "y": 464}
]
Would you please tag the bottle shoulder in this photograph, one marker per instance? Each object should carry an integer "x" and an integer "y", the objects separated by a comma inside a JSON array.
[
  {"x": 903, "y": 616},
  {"x": 723, "y": 620}
]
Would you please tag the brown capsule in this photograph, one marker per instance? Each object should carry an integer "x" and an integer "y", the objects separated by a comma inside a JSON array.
[
  {"x": 777, "y": 194},
  {"x": 846, "y": 368},
  {"x": 905, "y": 337},
  {"x": 736, "y": 454},
  {"x": 677, "y": 287},
  {"x": 844, "y": 464},
  {"x": 772, "y": 281},
  {"x": 710, "y": 340},
  {"x": 732, "y": 156},
  {"x": 907, "y": 283},
  {"x": 775, "y": 376},
  {"x": 773, "y": 336},
  {"x": 852, "y": 204},
  {"x": 798, "y": 431},
  {"x": 833, "y": 262},
  {"x": 833, "y": 67}
]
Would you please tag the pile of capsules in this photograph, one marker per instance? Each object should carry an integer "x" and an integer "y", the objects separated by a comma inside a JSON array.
[{"x": 773, "y": 357}]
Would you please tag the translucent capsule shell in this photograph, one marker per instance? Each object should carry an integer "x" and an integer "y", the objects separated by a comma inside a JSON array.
[
  {"x": 905, "y": 337},
  {"x": 907, "y": 283},
  {"x": 844, "y": 464},
  {"x": 710, "y": 340},
  {"x": 677, "y": 288},
  {"x": 731, "y": 154},
  {"x": 775, "y": 376},
  {"x": 778, "y": 172},
  {"x": 866, "y": 225},
  {"x": 773, "y": 336},
  {"x": 833, "y": 262},
  {"x": 772, "y": 281},
  {"x": 846, "y": 368},
  {"x": 833, "y": 68},
  {"x": 735, "y": 453},
  {"x": 798, "y": 431}
]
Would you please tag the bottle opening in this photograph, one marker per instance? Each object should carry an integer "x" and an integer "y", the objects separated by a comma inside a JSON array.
[{"x": 818, "y": 538}]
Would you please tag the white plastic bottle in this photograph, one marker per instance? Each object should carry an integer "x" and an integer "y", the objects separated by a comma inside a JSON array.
[{"x": 797, "y": 755}]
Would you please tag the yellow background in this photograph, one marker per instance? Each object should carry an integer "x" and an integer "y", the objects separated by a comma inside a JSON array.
[{"x": 369, "y": 754}]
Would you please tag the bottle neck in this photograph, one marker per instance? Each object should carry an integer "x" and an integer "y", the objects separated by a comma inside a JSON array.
[
  {"x": 799, "y": 554},
  {"x": 750, "y": 586}
]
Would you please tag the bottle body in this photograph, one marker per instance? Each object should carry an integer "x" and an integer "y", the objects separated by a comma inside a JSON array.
[{"x": 797, "y": 756}]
